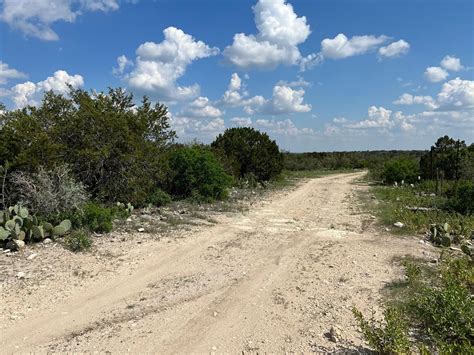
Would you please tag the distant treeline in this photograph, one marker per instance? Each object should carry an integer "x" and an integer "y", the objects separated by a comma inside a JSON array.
[{"x": 347, "y": 160}]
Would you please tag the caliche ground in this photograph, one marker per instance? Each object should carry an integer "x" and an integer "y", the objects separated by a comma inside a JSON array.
[{"x": 274, "y": 279}]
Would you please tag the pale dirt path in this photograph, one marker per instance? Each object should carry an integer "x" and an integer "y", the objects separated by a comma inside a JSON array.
[{"x": 274, "y": 280}]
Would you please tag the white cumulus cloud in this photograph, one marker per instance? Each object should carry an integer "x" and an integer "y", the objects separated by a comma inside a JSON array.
[
  {"x": 394, "y": 49},
  {"x": 35, "y": 17},
  {"x": 451, "y": 63},
  {"x": 436, "y": 74},
  {"x": 456, "y": 94},
  {"x": 7, "y": 73},
  {"x": 280, "y": 31},
  {"x": 122, "y": 64},
  {"x": 203, "y": 108},
  {"x": 284, "y": 100},
  {"x": 30, "y": 93},
  {"x": 159, "y": 65},
  {"x": 408, "y": 99},
  {"x": 283, "y": 127},
  {"x": 342, "y": 47},
  {"x": 378, "y": 117},
  {"x": 234, "y": 94}
]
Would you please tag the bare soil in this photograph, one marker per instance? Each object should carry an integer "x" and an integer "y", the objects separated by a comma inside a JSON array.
[{"x": 276, "y": 278}]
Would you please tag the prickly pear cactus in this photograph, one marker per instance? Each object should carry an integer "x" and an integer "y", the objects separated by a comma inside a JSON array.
[{"x": 16, "y": 223}]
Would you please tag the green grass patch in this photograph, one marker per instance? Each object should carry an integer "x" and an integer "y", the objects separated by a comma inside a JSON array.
[{"x": 392, "y": 204}]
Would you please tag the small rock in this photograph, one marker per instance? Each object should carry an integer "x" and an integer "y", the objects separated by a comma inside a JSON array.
[
  {"x": 6, "y": 251},
  {"x": 129, "y": 220},
  {"x": 387, "y": 229},
  {"x": 21, "y": 275},
  {"x": 398, "y": 224},
  {"x": 432, "y": 195},
  {"x": 32, "y": 256},
  {"x": 214, "y": 348},
  {"x": 334, "y": 334},
  {"x": 47, "y": 241},
  {"x": 141, "y": 230}
]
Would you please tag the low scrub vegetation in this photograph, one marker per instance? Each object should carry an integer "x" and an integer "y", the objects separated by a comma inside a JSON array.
[
  {"x": 418, "y": 209},
  {"x": 48, "y": 191},
  {"x": 78, "y": 240},
  {"x": 430, "y": 311},
  {"x": 77, "y": 157}
]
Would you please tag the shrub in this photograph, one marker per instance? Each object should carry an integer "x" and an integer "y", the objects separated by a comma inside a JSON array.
[
  {"x": 435, "y": 306},
  {"x": 462, "y": 199},
  {"x": 78, "y": 240},
  {"x": 48, "y": 192},
  {"x": 400, "y": 169},
  {"x": 195, "y": 172},
  {"x": 159, "y": 198},
  {"x": 443, "y": 312},
  {"x": 389, "y": 336},
  {"x": 97, "y": 218},
  {"x": 248, "y": 151},
  {"x": 94, "y": 217}
]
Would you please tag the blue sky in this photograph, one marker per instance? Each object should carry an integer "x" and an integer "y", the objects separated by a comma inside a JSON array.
[{"x": 316, "y": 75}]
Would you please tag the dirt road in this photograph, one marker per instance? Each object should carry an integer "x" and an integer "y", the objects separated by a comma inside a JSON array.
[{"x": 274, "y": 279}]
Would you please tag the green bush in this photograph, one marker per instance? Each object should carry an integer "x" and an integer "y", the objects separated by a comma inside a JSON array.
[
  {"x": 94, "y": 217},
  {"x": 97, "y": 218},
  {"x": 159, "y": 198},
  {"x": 400, "y": 169},
  {"x": 79, "y": 240},
  {"x": 389, "y": 336},
  {"x": 248, "y": 151},
  {"x": 442, "y": 311},
  {"x": 113, "y": 147},
  {"x": 196, "y": 173},
  {"x": 462, "y": 198}
]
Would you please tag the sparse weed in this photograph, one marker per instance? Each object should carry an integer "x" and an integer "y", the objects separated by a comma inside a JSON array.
[{"x": 77, "y": 241}]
